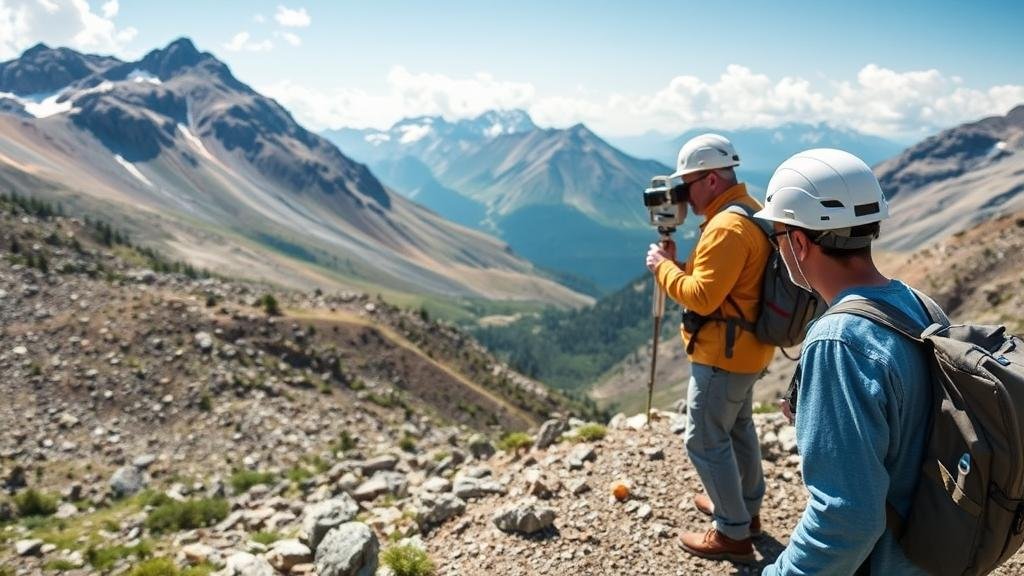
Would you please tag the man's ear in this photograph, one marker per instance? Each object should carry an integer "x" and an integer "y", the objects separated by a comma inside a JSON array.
[{"x": 801, "y": 243}]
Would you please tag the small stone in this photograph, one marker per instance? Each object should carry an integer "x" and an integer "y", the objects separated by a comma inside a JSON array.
[
  {"x": 549, "y": 433},
  {"x": 197, "y": 553},
  {"x": 656, "y": 453},
  {"x": 524, "y": 517},
  {"x": 285, "y": 554},
  {"x": 246, "y": 564},
  {"x": 644, "y": 512},
  {"x": 126, "y": 481},
  {"x": 31, "y": 547}
]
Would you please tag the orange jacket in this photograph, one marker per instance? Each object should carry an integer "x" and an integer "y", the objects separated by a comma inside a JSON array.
[{"x": 728, "y": 260}]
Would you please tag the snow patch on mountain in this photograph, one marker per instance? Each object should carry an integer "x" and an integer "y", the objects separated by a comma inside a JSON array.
[
  {"x": 194, "y": 141},
  {"x": 139, "y": 75},
  {"x": 132, "y": 170}
]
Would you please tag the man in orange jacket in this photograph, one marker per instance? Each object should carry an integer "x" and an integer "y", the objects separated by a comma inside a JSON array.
[{"x": 721, "y": 281}]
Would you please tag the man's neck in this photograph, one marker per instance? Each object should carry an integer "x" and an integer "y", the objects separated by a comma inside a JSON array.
[{"x": 836, "y": 277}]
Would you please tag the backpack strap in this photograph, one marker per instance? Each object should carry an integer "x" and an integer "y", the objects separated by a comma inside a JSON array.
[
  {"x": 748, "y": 213},
  {"x": 880, "y": 312}
]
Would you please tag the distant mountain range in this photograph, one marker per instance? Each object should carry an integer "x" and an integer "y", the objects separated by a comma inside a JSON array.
[
  {"x": 565, "y": 199},
  {"x": 955, "y": 231},
  {"x": 761, "y": 150},
  {"x": 954, "y": 180},
  {"x": 185, "y": 156}
]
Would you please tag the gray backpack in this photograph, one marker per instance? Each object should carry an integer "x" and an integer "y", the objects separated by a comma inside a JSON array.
[
  {"x": 967, "y": 515},
  {"x": 785, "y": 309}
]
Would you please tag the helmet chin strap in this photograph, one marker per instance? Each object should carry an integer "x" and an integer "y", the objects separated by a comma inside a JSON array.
[{"x": 796, "y": 261}]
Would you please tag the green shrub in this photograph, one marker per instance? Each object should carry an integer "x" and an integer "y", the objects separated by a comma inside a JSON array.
[
  {"x": 242, "y": 480},
  {"x": 515, "y": 441},
  {"x": 265, "y": 538},
  {"x": 104, "y": 559},
  {"x": 408, "y": 561},
  {"x": 188, "y": 515},
  {"x": 298, "y": 474},
  {"x": 31, "y": 502},
  {"x": 155, "y": 567},
  {"x": 591, "y": 432},
  {"x": 270, "y": 305},
  {"x": 60, "y": 565},
  {"x": 407, "y": 443}
]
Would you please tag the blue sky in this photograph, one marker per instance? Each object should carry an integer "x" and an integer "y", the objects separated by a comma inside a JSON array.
[{"x": 899, "y": 69}]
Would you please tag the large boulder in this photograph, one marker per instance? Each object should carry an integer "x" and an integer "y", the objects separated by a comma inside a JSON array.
[
  {"x": 126, "y": 481},
  {"x": 348, "y": 550},
  {"x": 319, "y": 518}
]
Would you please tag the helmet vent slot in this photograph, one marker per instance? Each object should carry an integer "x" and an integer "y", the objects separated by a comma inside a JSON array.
[
  {"x": 865, "y": 209},
  {"x": 831, "y": 203}
]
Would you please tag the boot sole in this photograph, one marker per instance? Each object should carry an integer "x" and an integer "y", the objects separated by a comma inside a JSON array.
[
  {"x": 729, "y": 556},
  {"x": 711, "y": 513}
]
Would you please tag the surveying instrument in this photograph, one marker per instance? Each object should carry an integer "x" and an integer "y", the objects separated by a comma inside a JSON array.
[{"x": 666, "y": 205}]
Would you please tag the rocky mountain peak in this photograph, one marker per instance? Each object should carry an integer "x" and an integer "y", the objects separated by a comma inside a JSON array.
[{"x": 178, "y": 55}]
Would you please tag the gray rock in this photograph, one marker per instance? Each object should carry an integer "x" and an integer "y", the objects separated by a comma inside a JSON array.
[
  {"x": 580, "y": 454},
  {"x": 319, "y": 518},
  {"x": 656, "y": 453},
  {"x": 245, "y": 564},
  {"x": 787, "y": 439},
  {"x": 466, "y": 487},
  {"x": 126, "y": 481},
  {"x": 382, "y": 483},
  {"x": 348, "y": 550},
  {"x": 285, "y": 554},
  {"x": 144, "y": 461},
  {"x": 525, "y": 517},
  {"x": 28, "y": 547},
  {"x": 379, "y": 463},
  {"x": 549, "y": 433},
  {"x": 480, "y": 447},
  {"x": 203, "y": 341},
  {"x": 678, "y": 424},
  {"x": 437, "y": 485},
  {"x": 435, "y": 509}
]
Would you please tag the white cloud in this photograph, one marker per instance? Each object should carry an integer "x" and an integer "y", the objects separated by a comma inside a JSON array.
[
  {"x": 111, "y": 8},
  {"x": 290, "y": 38},
  {"x": 409, "y": 94},
  {"x": 290, "y": 18},
  {"x": 24, "y": 23},
  {"x": 902, "y": 105},
  {"x": 259, "y": 18},
  {"x": 242, "y": 42}
]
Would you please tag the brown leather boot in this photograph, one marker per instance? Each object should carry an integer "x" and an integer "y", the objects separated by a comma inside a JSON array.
[
  {"x": 704, "y": 504},
  {"x": 717, "y": 546}
]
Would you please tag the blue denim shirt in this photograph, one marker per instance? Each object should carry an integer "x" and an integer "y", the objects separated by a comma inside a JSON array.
[{"x": 861, "y": 424}]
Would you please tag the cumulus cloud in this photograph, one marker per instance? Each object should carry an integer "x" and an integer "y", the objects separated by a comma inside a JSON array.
[
  {"x": 243, "y": 42},
  {"x": 292, "y": 18},
  {"x": 902, "y": 105},
  {"x": 409, "y": 94},
  {"x": 72, "y": 23},
  {"x": 290, "y": 38}
]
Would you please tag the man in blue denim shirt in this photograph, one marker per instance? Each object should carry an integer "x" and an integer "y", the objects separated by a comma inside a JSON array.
[{"x": 864, "y": 392}]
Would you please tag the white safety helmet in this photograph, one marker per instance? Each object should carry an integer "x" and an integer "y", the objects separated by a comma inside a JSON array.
[
  {"x": 705, "y": 152},
  {"x": 825, "y": 189}
]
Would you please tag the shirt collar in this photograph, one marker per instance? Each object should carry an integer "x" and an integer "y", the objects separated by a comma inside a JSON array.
[{"x": 734, "y": 193}]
